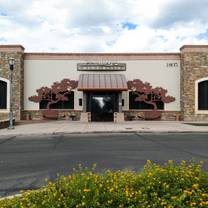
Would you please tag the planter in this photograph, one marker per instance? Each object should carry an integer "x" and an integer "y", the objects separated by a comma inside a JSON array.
[
  {"x": 152, "y": 115},
  {"x": 50, "y": 114}
]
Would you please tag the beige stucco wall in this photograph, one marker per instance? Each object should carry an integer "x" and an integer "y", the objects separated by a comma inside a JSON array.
[{"x": 40, "y": 73}]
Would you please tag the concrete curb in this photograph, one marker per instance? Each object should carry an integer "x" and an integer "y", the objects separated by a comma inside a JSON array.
[
  {"x": 10, "y": 197},
  {"x": 107, "y": 132}
]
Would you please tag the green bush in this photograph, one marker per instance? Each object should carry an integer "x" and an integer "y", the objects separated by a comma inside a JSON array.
[{"x": 171, "y": 185}]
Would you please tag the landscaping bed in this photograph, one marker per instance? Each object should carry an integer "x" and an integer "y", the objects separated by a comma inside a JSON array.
[{"x": 171, "y": 185}]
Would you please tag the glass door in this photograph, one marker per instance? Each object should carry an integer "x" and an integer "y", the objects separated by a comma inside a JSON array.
[{"x": 102, "y": 106}]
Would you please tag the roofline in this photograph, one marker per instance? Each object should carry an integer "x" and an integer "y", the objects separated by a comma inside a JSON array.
[
  {"x": 193, "y": 47},
  {"x": 12, "y": 46},
  {"x": 102, "y": 56}
]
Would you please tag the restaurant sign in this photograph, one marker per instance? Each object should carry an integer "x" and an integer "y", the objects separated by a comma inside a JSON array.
[{"x": 101, "y": 66}]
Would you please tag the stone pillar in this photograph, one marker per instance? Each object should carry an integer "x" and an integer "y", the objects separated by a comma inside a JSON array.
[
  {"x": 118, "y": 117},
  {"x": 194, "y": 66},
  {"x": 85, "y": 117},
  {"x": 16, "y": 52}
]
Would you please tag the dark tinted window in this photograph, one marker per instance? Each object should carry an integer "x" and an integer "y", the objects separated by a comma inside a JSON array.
[
  {"x": 61, "y": 104},
  {"x": 122, "y": 102},
  {"x": 203, "y": 95},
  {"x": 80, "y": 101},
  {"x": 142, "y": 105},
  {"x": 3, "y": 95}
]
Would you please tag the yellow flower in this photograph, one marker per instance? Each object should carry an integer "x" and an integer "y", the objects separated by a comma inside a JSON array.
[
  {"x": 111, "y": 189},
  {"x": 86, "y": 190},
  {"x": 173, "y": 197},
  {"x": 195, "y": 186},
  {"x": 110, "y": 201},
  {"x": 149, "y": 174},
  {"x": 187, "y": 192},
  {"x": 193, "y": 203}
]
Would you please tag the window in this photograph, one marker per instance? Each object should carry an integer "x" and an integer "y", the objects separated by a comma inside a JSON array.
[
  {"x": 3, "y": 95},
  {"x": 203, "y": 95},
  {"x": 141, "y": 105},
  {"x": 61, "y": 104},
  {"x": 80, "y": 101},
  {"x": 122, "y": 102}
]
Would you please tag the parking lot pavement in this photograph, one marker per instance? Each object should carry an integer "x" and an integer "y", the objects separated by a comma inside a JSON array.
[{"x": 25, "y": 161}]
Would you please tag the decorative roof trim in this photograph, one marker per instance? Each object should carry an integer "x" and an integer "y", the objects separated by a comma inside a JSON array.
[
  {"x": 12, "y": 48},
  {"x": 194, "y": 48},
  {"x": 102, "y": 56}
]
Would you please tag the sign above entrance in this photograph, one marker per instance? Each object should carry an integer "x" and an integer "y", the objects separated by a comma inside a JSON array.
[{"x": 101, "y": 66}]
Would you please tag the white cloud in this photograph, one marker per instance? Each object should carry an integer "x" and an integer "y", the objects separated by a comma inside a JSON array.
[{"x": 96, "y": 25}]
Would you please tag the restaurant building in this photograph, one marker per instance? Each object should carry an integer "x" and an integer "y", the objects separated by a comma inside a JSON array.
[{"x": 105, "y": 86}]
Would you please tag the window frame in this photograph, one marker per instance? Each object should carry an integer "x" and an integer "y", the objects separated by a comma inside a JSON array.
[
  {"x": 197, "y": 111},
  {"x": 6, "y": 110}
]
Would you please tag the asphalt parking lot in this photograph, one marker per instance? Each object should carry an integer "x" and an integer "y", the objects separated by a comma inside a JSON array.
[{"x": 26, "y": 161}]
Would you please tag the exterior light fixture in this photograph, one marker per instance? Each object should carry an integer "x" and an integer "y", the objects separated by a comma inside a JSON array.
[{"x": 11, "y": 62}]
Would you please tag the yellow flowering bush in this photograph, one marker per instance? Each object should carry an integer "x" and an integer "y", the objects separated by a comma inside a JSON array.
[{"x": 168, "y": 186}]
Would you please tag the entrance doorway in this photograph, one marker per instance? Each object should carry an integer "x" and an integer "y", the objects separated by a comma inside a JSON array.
[{"x": 102, "y": 106}]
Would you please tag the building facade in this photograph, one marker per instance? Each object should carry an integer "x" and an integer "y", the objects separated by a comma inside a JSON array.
[{"x": 106, "y": 86}]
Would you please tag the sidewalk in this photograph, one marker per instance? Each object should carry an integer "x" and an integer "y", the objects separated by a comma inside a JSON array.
[{"x": 67, "y": 127}]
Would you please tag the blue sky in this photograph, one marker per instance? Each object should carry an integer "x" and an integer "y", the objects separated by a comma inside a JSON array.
[{"x": 103, "y": 25}]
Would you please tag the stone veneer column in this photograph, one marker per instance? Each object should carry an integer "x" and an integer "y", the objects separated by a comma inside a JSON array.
[
  {"x": 16, "y": 52},
  {"x": 194, "y": 66}
]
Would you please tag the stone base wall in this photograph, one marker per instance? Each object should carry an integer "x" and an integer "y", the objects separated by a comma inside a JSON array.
[
  {"x": 37, "y": 115},
  {"x": 196, "y": 117},
  {"x": 4, "y": 116},
  {"x": 118, "y": 117},
  {"x": 171, "y": 116},
  {"x": 76, "y": 115},
  {"x": 166, "y": 115},
  {"x": 4, "y": 124},
  {"x": 85, "y": 117}
]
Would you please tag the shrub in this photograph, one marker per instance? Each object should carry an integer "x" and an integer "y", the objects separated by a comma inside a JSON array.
[{"x": 171, "y": 185}]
